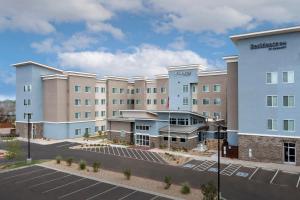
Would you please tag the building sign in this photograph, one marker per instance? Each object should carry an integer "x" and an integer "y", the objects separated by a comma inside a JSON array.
[
  {"x": 182, "y": 73},
  {"x": 269, "y": 45}
]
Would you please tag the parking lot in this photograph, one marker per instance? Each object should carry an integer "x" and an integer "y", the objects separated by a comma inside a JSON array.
[
  {"x": 128, "y": 153},
  {"x": 39, "y": 183},
  {"x": 257, "y": 174}
]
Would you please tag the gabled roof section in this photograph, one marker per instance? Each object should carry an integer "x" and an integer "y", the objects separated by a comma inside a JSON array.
[
  {"x": 236, "y": 38},
  {"x": 37, "y": 64}
]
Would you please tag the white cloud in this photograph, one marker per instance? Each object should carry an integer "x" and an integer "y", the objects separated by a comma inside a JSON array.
[
  {"x": 144, "y": 60},
  {"x": 103, "y": 27},
  {"x": 222, "y": 15},
  {"x": 178, "y": 44},
  {"x": 77, "y": 41},
  {"x": 6, "y": 97}
]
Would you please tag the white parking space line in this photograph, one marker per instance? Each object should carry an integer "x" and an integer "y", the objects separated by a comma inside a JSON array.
[
  {"x": 205, "y": 165},
  {"x": 124, "y": 197},
  {"x": 118, "y": 151},
  {"x": 37, "y": 177},
  {"x": 45, "y": 182},
  {"x": 250, "y": 177},
  {"x": 141, "y": 157},
  {"x": 112, "y": 148},
  {"x": 65, "y": 195},
  {"x": 123, "y": 152},
  {"x": 110, "y": 189},
  {"x": 298, "y": 182},
  {"x": 131, "y": 153},
  {"x": 104, "y": 149},
  {"x": 144, "y": 155},
  {"x": 230, "y": 169},
  {"x": 25, "y": 173},
  {"x": 271, "y": 181},
  {"x": 155, "y": 155},
  {"x": 149, "y": 155},
  {"x": 155, "y": 197},
  {"x": 61, "y": 186},
  {"x": 108, "y": 150}
]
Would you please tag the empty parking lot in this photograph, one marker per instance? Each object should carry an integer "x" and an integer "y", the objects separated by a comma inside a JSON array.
[
  {"x": 269, "y": 176},
  {"x": 128, "y": 153},
  {"x": 39, "y": 183}
]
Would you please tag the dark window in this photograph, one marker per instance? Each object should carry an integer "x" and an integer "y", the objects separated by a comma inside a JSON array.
[
  {"x": 182, "y": 139},
  {"x": 174, "y": 139},
  {"x": 165, "y": 138}
]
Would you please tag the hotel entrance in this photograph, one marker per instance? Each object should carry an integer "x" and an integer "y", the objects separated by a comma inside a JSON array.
[{"x": 289, "y": 152}]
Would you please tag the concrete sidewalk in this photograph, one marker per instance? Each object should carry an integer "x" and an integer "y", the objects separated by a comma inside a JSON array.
[{"x": 275, "y": 166}]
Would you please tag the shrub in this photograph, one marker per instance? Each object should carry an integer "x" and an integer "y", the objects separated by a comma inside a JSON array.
[
  {"x": 168, "y": 182},
  {"x": 58, "y": 159},
  {"x": 127, "y": 173},
  {"x": 13, "y": 150},
  {"x": 185, "y": 188},
  {"x": 82, "y": 164},
  {"x": 209, "y": 191},
  {"x": 69, "y": 161},
  {"x": 86, "y": 136},
  {"x": 96, "y": 166}
]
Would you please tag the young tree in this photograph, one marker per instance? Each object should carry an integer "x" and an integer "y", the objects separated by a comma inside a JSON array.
[
  {"x": 209, "y": 191},
  {"x": 86, "y": 136}
]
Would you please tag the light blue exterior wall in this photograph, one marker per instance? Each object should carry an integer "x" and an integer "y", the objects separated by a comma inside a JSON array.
[
  {"x": 176, "y": 82},
  {"x": 252, "y": 88},
  {"x": 26, "y": 75},
  {"x": 153, "y": 127},
  {"x": 66, "y": 130}
]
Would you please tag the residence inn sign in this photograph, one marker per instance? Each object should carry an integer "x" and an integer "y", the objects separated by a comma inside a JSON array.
[{"x": 269, "y": 45}]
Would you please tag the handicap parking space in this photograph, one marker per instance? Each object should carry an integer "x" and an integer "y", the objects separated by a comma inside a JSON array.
[
  {"x": 245, "y": 172},
  {"x": 127, "y": 153},
  {"x": 192, "y": 163},
  {"x": 42, "y": 183}
]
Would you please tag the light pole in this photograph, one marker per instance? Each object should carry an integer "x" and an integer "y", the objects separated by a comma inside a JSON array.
[
  {"x": 28, "y": 137},
  {"x": 224, "y": 128}
]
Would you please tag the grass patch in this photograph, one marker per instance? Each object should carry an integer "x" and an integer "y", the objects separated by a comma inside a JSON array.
[{"x": 22, "y": 163}]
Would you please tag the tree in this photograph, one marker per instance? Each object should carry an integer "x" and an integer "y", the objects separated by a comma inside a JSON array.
[
  {"x": 86, "y": 135},
  {"x": 13, "y": 150},
  {"x": 209, "y": 191}
]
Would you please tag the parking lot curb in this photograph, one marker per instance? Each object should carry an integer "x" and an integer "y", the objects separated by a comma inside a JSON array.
[
  {"x": 112, "y": 183},
  {"x": 9, "y": 170}
]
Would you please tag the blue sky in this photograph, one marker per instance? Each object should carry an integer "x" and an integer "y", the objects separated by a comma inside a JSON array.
[{"x": 129, "y": 37}]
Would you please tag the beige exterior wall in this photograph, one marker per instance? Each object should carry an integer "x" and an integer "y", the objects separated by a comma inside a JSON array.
[
  {"x": 100, "y": 108},
  {"x": 212, "y": 80},
  {"x": 151, "y": 96},
  {"x": 162, "y": 83},
  {"x": 141, "y": 96},
  {"x": 55, "y": 100},
  {"x": 82, "y": 82}
]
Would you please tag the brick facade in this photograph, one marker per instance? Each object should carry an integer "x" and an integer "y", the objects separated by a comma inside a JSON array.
[
  {"x": 21, "y": 130},
  {"x": 265, "y": 149}
]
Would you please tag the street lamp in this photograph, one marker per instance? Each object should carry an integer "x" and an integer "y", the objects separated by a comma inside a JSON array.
[
  {"x": 28, "y": 137},
  {"x": 223, "y": 128}
]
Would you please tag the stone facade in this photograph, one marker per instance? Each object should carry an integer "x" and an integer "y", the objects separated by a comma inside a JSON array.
[
  {"x": 188, "y": 144},
  {"x": 119, "y": 137},
  {"x": 265, "y": 149},
  {"x": 155, "y": 142},
  {"x": 21, "y": 130}
]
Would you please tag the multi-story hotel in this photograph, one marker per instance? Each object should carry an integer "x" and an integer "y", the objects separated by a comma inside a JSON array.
[
  {"x": 135, "y": 110},
  {"x": 256, "y": 97}
]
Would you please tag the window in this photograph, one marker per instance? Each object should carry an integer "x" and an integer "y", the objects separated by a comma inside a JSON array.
[
  {"x": 148, "y": 101},
  {"x": 87, "y": 114},
  {"x": 114, "y": 90},
  {"x": 174, "y": 139},
  {"x": 103, "y": 128},
  {"x": 182, "y": 139},
  {"x": 142, "y": 140},
  {"x": 272, "y": 124},
  {"x": 172, "y": 120},
  {"x": 102, "y": 89},
  {"x": 217, "y": 88},
  {"x": 27, "y": 88},
  {"x": 217, "y": 115},
  {"x": 121, "y": 90},
  {"x": 154, "y": 101},
  {"x": 288, "y": 77},
  {"x": 114, "y": 113},
  {"x": 96, "y": 128},
  {"x": 137, "y": 90},
  {"x": 132, "y": 91},
  {"x": 288, "y": 125},
  {"x": 77, "y": 115},
  {"x": 103, "y": 113},
  {"x": 114, "y": 101},
  {"x": 102, "y": 101},
  {"x": 165, "y": 138},
  {"x": 137, "y": 101},
  {"x": 185, "y": 101},
  {"x": 194, "y": 88},
  {"x": 272, "y": 78},
  {"x": 88, "y": 130},
  {"x": 205, "y": 88},
  {"x": 96, "y": 113},
  {"x": 194, "y": 101},
  {"x": 96, "y": 89},
  {"x": 96, "y": 101},
  {"x": 185, "y": 88},
  {"x": 28, "y": 102},
  {"x": 206, "y": 114},
  {"x": 142, "y": 127},
  {"x": 163, "y": 101},
  {"x": 289, "y": 152},
  {"x": 288, "y": 101},
  {"x": 77, "y": 88},
  {"x": 121, "y": 101},
  {"x": 88, "y": 89},
  {"x": 154, "y": 90},
  {"x": 205, "y": 101},
  {"x": 25, "y": 102},
  {"x": 217, "y": 101},
  {"x": 77, "y": 102},
  {"x": 148, "y": 90},
  {"x": 272, "y": 101},
  {"x": 88, "y": 102},
  {"x": 182, "y": 121},
  {"x": 163, "y": 90},
  {"x": 77, "y": 131}
]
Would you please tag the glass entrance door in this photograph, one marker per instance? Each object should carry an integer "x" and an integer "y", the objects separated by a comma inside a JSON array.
[{"x": 289, "y": 153}]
